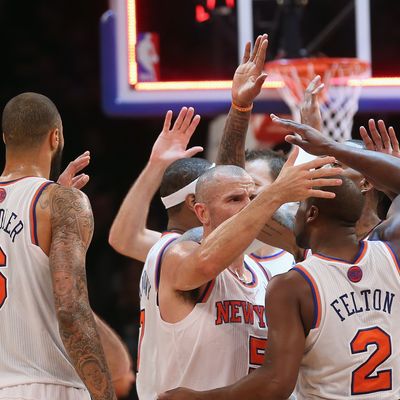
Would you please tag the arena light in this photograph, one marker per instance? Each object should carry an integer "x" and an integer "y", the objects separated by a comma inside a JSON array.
[
  {"x": 132, "y": 39},
  {"x": 196, "y": 85}
]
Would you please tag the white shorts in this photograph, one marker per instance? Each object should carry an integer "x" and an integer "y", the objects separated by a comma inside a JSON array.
[{"x": 43, "y": 391}]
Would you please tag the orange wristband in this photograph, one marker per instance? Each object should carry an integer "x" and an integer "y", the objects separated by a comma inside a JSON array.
[{"x": 242, "y": 109}]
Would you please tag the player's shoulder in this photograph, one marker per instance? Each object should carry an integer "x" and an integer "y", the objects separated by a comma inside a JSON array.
[
  {"x": 61, "y": 199},
  {"x": 289, "y": 284}
]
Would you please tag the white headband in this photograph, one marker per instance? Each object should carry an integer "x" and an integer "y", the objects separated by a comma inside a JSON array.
[{"x": 180, "y": 195}]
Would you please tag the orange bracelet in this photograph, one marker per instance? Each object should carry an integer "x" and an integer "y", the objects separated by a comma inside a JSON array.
[{"x": 242, "y": 109}]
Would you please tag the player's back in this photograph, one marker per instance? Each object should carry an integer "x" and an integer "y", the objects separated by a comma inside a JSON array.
[
  {"x": 353, "y": 351},
  {"x": 31, "y": 349}
]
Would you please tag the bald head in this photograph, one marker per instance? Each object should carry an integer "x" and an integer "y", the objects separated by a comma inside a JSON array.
[
  {"x": 346, "y": 207},
  {"x": 27, "y": 119},
  {"x": 215, "y": 179}
]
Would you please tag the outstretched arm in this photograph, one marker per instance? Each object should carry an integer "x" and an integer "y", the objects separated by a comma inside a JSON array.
[
  {"x": 72, "y": 230},
  {"x": 128, "y": 234},
  {"x": 382, "y": 170},
  {"x": 190, "y": 265},
  {"x": 246, "y": 85}
]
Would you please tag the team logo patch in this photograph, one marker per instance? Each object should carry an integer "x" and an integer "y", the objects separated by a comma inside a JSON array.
[
  {"x": 355, "y": 273},
  {"x": 3, "y": 194}
]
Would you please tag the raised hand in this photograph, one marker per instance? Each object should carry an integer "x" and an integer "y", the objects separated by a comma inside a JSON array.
[
  {"x": 308, "y": 138},
  {"x": 249, "y": 75},
  {"x": 171, "y": 144},
  {"x": 297, "y": 183},
  {"x": 380, "y": 139},
  {"x": 68, "y": 178},
  {"x": 309, "y": 108}
]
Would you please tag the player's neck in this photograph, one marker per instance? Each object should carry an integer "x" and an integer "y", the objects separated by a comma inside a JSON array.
[
  {"x": 180, "y": 225},
  {"x": 369, "y": 219},
  {"x": 341, "y": 242},
  {"x": 21, "y": 165}
]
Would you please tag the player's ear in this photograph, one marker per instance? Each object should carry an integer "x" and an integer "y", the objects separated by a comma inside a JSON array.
[
  {"x": 4, "y": 139},
  {"x": 312, "y": 214},
  {"x": 54, "y": 138},
  {"x": 190, "y": 201},
  {"x": 365, "y": 186},
  {"x": 202, "y": 213}
]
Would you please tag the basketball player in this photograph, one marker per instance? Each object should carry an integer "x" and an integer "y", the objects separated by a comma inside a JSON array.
[
  {"x": 264, "y": 167},
  {"x": 50, "y": 347},
  {"x": 207, "y": 300},
  {"x": 332, "y": 320},
  {"x": 129, "y": 235}
]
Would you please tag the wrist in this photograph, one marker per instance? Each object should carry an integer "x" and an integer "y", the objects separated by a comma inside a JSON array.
[
  {"x": 274, "y": 194},
  {"x": 241, "y": 108}
]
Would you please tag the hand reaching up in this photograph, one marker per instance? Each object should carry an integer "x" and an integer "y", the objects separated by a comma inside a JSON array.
[
  {"x": 380, "y": 139},
  {"x": 249, "y": 75},
  {"x": 171, "y": 144}
]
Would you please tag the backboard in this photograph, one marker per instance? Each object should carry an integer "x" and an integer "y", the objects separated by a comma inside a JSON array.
[{"x": 192, "y": 48}]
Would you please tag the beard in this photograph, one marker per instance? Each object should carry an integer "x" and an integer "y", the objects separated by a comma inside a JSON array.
[{"x": 55, "y": 166}]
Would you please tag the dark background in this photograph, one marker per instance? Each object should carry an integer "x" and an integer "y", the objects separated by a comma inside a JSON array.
[{"x": 52, "y": 47}]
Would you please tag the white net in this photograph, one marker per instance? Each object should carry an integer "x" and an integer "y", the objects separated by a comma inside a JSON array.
[{"x": 339, "y": 100}]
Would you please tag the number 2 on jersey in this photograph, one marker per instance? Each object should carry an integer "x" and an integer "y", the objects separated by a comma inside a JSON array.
[
  {"x": 362, "y": 381},
  {"x": 3, "y": 279}
]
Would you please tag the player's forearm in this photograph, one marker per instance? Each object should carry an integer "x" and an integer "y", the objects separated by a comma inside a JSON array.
[
  {"x": 380, "y": 167},
  {"x": 81, "y": 340},
  {"x": 232, "y": 146},
  {"x": 128, "y": 234},
  {"x": 258, "y": 385}
]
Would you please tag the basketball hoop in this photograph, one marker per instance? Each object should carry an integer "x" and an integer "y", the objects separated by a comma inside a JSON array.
[{"x": 339, "y": 100}]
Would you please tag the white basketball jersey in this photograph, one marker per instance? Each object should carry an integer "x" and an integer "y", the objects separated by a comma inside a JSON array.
[
  {"x": 219, "y": 342},
  {"x": 31, "y": 350},
  {"x": 353, "y": 351},
  {"x": 277, "y": 263}
]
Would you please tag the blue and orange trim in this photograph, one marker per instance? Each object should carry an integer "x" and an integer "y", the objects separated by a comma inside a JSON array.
[
  {"x": 32, "y": 212},
  {"x": 315, "y": 294},
  {"x": 5, "y": 183},
  {"x": 361, "y": 253},
  {"x": 159, "y": 259},
  {"x": 254, "y": 280},
  {"x": 394, "y": 256},
  {"x": 255, "y": 257}
]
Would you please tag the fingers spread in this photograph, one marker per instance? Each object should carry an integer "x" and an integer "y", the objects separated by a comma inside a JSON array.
[
  {"x": 192, "y": 151},
  {"x": 167, "y": 121},
  {"x": 384, "y": 135},
  {"x": 325, "y": 182},
  {"x": 319, "y": 162},
  {"x": 179, "y": 120},
  {"x": 292, "y": 156},
  {"x": 393, "y": 139},
  {"x": 255, "y": 50},
  {"x": 369, "y": 144},
  {"x": 246, "y": 55},
  {"x": 187, "y": 119},
  {"x": 322, "y": 194}
]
